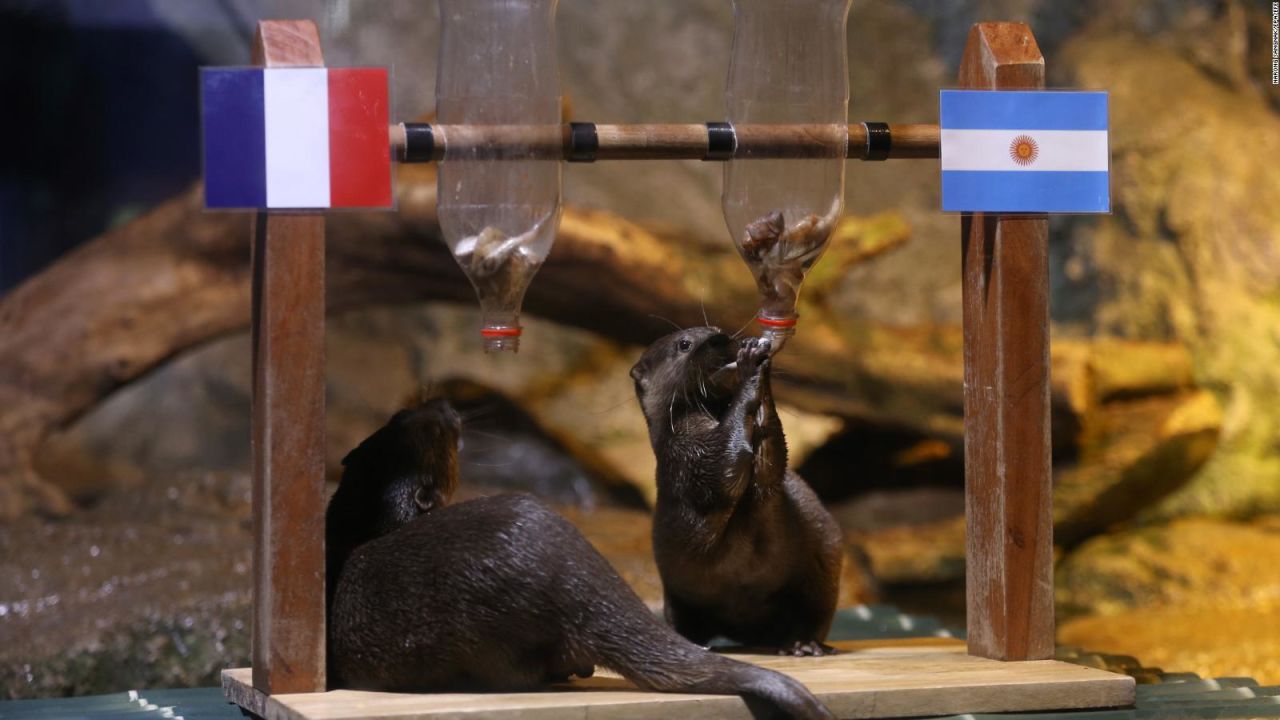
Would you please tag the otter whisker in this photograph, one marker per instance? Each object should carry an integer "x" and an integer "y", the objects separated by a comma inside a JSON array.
[
  {"x": 495, "y": 436},
  {"x": 665, "y": 320},
  {"x": 475, "y": 414},
  {"x": 630, "y": 398},
  {"x": 706, "y": 411},
  {"x": 473, "y": 463}
]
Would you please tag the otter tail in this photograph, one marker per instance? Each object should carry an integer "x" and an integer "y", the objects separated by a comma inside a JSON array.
[
  {"x": 616, "y": 630},
  {"x": 655, "y": 657}
]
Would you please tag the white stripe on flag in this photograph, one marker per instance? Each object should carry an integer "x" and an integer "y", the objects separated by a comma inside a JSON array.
[
  {"x": 1079, "y": 150},
  {"x": 297, "y": 119}
]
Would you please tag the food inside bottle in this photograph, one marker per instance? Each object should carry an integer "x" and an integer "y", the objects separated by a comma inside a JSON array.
[
  {"x": 499, "y": 266},
  {"x": 779, "y": 253}
]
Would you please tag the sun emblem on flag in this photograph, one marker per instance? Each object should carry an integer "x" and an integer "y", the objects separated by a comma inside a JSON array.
[{"x": 1024, "y": 150}]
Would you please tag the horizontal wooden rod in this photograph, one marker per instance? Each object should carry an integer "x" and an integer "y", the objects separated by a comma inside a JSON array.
[{"x": 687, "y": 141}]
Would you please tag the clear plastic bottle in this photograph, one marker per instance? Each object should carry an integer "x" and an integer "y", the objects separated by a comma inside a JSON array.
[
  {"x": 499, "y": 215},
  {"x": 789, "y": 65}
]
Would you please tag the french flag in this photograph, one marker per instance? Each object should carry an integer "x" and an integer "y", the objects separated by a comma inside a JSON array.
[
  {"x": 295, "y": 138},
  {"x": 1025, "y": 151}
]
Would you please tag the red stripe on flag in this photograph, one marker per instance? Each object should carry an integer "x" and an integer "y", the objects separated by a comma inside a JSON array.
[{"x": 359, "y": 147}]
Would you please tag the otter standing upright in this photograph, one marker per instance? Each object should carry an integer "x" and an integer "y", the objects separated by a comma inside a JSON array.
[{"x": 744, "y": 547}]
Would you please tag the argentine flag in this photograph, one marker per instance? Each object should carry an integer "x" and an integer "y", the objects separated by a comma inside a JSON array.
[
  {"x": 1025, "y": 151},
  {"x": 295, "y": 138}
]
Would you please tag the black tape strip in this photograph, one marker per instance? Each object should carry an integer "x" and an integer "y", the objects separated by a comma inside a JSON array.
[
  {"x": 722, "y": 141},
  {"x": 419, "y": 143},
  {"x": 584, "y": 143},
  {"x": 879, "y": 140}
]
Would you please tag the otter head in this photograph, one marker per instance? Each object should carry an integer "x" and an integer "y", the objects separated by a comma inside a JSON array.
[
  {"x": 688, "y": 369},
  {"x": 407, "y": 468}
]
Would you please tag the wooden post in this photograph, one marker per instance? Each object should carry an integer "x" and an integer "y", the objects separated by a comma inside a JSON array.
[
  {"x": 288, "y": 420},
  {"x": 1009, "y": 553}
]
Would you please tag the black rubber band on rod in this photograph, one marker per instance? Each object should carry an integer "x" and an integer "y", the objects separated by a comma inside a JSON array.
[
  {"x": 419, "y": 143},
  {"x": 584, "y": 143},
  {"x": 879, "y": 140},
  {"x": 722, "y": 141}
]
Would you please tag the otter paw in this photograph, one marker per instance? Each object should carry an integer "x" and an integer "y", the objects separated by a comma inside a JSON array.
[
  {"x": 812, "y": 648},
  {"x": 753, "y": 354}
]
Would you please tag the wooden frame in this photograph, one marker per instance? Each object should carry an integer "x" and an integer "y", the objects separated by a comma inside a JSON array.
[
  {"x": 870, "y": 679},
  {"x": 1008, "y": 499},
  {"x": 288, "y": 420},
  {"x": 1008, "y": 491}
]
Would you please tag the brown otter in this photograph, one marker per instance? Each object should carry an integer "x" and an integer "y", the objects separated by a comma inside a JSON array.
[
  {"x": 744, "y": 547},
  {"x": 497, "y": 593}
]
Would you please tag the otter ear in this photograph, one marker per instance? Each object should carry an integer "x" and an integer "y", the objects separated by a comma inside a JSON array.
[
  {"x": 424, "y": 498},
  {"x": 637, "y": 374}
]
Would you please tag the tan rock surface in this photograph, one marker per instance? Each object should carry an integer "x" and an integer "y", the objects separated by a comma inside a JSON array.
[
  {"x": 1187, "y": 562},
  {"x": 929, "y": 552},
  {"x": 1136, "y": 453},
  {"x": 1211, "y": 642},
  {"x": 1192, "y": 251},
  {"x": 1196, "y": 595}
]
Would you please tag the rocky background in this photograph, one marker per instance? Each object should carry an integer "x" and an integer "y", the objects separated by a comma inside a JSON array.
[{"x": 1166, "y": 354}]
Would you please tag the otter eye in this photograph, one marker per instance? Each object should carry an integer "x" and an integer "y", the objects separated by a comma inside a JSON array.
[
  {"x": 422, "y": 498},
  {"x": 685, "y": 344}
]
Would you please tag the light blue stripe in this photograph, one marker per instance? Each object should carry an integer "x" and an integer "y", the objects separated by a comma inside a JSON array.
[
  {"x": 1022, "y": 191},
  {"x": 1022, "y": 110}
]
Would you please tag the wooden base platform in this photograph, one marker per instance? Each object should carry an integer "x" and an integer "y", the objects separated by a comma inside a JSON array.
[{"x": 876, "y": 679}]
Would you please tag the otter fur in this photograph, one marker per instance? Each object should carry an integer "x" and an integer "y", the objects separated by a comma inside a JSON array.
[
  {"x": 744, "y": 547},
  {"x": 494, "y": 594}
]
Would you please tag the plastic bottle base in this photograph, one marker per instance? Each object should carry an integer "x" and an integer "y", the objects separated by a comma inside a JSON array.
[
  {"x": 777, "y": 330},
  {"x": 501, "y": 339}
]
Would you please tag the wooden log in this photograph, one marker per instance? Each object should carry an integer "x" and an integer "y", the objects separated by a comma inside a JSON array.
[
  {"x": 288, "y": 427},
  {"x": 1009, "y": 538},
  {"x": 177, "y": 277}
]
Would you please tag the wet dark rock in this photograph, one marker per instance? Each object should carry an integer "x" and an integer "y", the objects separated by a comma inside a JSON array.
[
  {"x": 148, "y": 588},
  {"x": 151, "y": 588}
]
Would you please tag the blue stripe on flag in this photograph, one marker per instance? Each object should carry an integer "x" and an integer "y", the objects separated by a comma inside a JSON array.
[
  {"x": 1022, "y": 110},
  {"x": 235, "y": 155},
  {"x": 1021, "y": 191}
]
